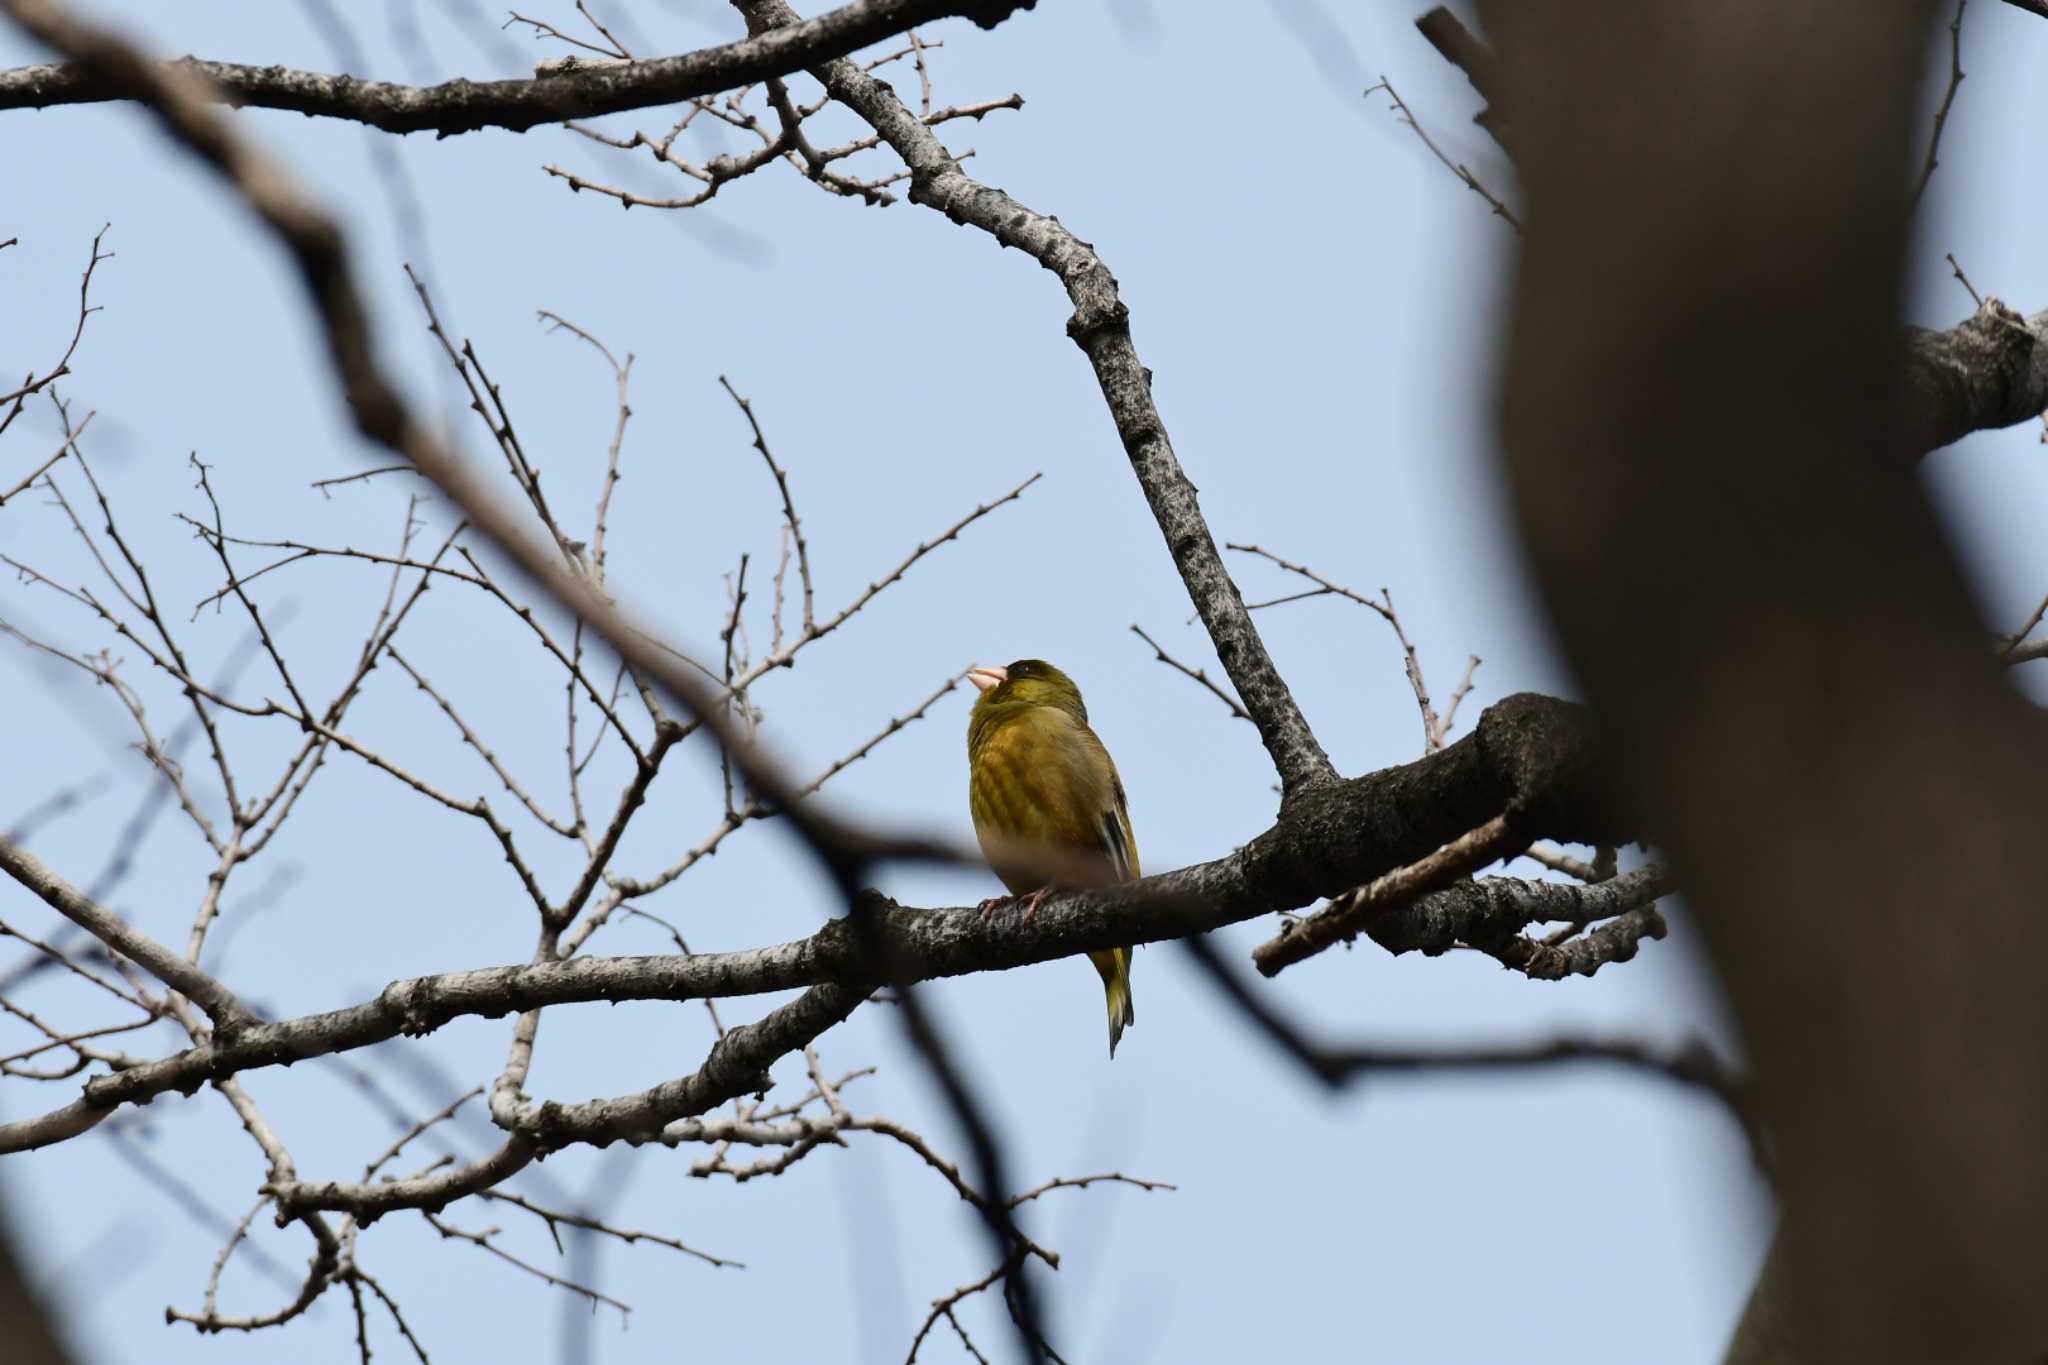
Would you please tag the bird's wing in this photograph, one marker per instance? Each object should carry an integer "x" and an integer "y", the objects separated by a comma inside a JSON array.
[{"x": 1117, "y": 839}]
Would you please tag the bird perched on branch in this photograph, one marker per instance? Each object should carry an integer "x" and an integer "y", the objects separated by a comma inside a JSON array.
[{"x": 1039, "y": 778}]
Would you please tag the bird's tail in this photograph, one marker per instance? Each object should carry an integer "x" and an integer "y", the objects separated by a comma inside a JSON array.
[{"x": 1114, "y": 967}]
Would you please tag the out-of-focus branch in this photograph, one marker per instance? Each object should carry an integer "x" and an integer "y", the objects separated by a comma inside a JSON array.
[
  {"x": 1460, "y": 47},
  {"x": 1692, "y": 1064},
  {"x": 585, "y": 90},
  {"x": 1987, "y": 372}
]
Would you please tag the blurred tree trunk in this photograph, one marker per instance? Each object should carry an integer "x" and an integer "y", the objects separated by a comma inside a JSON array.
[
  {"x": 27, "y": 1336},
  {"x": 1702, "y": 427},
  {"x": 1763, "y": 1336}
]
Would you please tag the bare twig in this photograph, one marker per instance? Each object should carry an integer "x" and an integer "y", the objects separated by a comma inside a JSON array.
[
  {"x": 796, "y": 526},
  {"x": 69, "y": 444},
  {"x": 469, "y": 738},
  {"x": 1435, "y": 729},
  {"x": 855, "y": 755},
  {"x": 1084, "y": 1181},
  {"x": 482, "y": 1241},
  {"x": 556, "y": 1219},
  {"x": 35, "y": 384},
  {"x": 1348, "y": 915},
  {"x": 360, "y": 475},
  {"x": 1197, "y": 674},
  {"x": 1948, "y": 99},
  {"x": 1456, "y": 168},
  {"x": 404, "y": 1139}
]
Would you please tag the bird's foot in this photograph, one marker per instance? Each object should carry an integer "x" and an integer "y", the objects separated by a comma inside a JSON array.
[{"x": 1031, "y": 904}]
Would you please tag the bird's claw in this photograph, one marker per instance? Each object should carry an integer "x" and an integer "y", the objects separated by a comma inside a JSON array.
[{"x": 1031, "y": 904}]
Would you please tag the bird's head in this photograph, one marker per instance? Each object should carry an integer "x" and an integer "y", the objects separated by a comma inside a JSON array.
[{"x": 1027, "y": 682}]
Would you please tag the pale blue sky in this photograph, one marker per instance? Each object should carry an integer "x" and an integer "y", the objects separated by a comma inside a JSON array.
[{"x": 1314, "y": 296}]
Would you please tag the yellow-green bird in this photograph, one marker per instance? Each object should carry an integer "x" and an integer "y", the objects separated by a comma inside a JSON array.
[{"x": 1038, "y": 776}]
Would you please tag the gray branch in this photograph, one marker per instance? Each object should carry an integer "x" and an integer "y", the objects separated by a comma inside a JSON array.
[
  {"x": 1991, "y": 370},
  {"x": 1528, "y": 754},
  {"x": 1101, "y": 327},
  {"x": 738, "y": 1065},
  {"x": 1492, "y": 911},
  {"x": 103, "y": 924},
  {"x": 1615, "y": 941},
  {"x": 464, "y": 106}
]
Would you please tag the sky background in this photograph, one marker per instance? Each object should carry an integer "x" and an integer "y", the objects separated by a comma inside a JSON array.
[{"x": 1315, "y": 296}]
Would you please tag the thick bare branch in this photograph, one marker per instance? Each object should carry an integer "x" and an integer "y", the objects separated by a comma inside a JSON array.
[
  {"x": 1489, "y": 913},
  {"x": 1988, "y": 371},
  {"x": 1100, "y": 325},
  {"x": 166, "y": 966},
  {"x": 585, "y": 90},
  {"x": 1527, "y": 754}
]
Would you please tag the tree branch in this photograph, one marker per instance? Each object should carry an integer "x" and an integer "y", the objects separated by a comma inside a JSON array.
[
  {"x": 1988, "y": 371},
  {"x": 1100, "y": 325},
  {"x": 464, "y": 106},
  {"x": 1528, "y": 754},
  {"x": 178, "y": 100},
  {"x": 217, "y": 1000}
]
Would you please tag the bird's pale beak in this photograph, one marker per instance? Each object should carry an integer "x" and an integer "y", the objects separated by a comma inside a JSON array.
[{"x": 985, "y": 678}]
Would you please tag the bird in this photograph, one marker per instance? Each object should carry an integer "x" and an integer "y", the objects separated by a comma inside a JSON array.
[{"x": 1037, "y": 775}]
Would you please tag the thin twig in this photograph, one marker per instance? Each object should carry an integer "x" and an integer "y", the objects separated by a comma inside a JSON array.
[
  {"x": 1197, "y": 674},
  {"x": 1456, "y": 168},
  {"x": 796, "y": 526},
  {"x": 1948, "y": 99}
]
